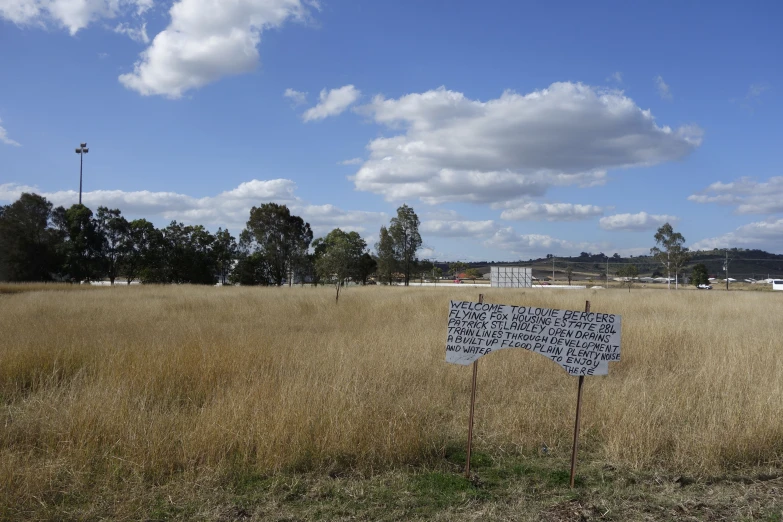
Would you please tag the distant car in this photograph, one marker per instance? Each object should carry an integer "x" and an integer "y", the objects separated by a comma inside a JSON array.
[{"x": 704, "y": 287}]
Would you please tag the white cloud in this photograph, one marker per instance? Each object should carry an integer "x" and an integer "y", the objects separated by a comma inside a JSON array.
[
  {"x": 453, "y": 148},
  {"x": 429, "y": 253},
  {"x": 448, "y": 223},
  {"x": 206, "y": 41},
  {"x": 332, "y": 103},
  {"x": 73, "y": 15},
  {"x": 137, "y": 34},
  {"x": 5, "y": 139},
  {"x": 663, "y": 88},
  {"x": 536, "y": 245},
  {"x": 746, "y": 194},
  {"x": 463, "y": 228},
  {"x": 352, "y": 161},
  {"x": 763, "y": 235},
  {"x": 636, "y": 222},
  {"x": 325, "y": 218},
  {"x": 298, "y": 97},
  {"x": 227, "y": 209},
  {"x": 616, "y": 76},
  {"x": 551, "y": 212}
]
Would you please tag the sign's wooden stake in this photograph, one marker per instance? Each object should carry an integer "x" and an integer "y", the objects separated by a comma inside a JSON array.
[
  {"x": 578, "y": 415},
  {"x": 472, "y": 407}
]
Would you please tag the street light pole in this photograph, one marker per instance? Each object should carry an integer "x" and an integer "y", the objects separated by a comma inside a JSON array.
[
  {"x": 726, "y": 268},
  {"x": 81, "y": 151}
]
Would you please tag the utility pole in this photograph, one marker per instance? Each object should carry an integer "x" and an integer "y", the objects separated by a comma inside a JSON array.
[
  {"x": 607, "y": 272},
  {"x": 81, "y": 151},
  {"x": 553, "y": 269},
  {"x": 726, "y": 268}
]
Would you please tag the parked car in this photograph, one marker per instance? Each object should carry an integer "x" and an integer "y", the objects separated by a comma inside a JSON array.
[{"x": 704, "y": 287}]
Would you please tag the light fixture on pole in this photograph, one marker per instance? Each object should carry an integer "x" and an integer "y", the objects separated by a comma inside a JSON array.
[{"x": 81, "y": 151}]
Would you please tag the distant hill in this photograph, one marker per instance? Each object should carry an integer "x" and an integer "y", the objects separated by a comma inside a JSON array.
[{"x": 743, "y": 264}]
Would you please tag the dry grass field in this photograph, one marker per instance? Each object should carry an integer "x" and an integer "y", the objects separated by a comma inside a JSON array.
[{"x": 153, "y": 403}]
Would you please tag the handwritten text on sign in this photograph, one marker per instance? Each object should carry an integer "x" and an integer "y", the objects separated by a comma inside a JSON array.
[{"x": 582, "y": 343}]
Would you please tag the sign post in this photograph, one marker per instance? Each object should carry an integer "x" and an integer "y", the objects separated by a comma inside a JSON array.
[
  {"x": 578, "y": 415},
  {"x": 472, "y": 406},
  {"x": 582, "y": 343}
]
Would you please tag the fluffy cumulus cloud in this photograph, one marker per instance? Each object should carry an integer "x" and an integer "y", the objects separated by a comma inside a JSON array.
[
  {"x": 5, "y": 139},
  {"x": 551, "y": 212},
  {"x": 534, "y": 245},
  {"x": 448, "y": 147},
  {"x": 227, "y": 209},
  {"x": 448, "y": 223},
  {"x": 747, "y": 195},
  {"x": 332, "y": 103},
  {"x": 325, "y": 218},
  {"x": 73, "y": 15},
  {"x": 207, "y": 40},
  {"x": 465, "y": 228},
  {"x": 441, "y": 222},
  {"x": 636, "y": 222},
  {"x": 764, "y": 235}
]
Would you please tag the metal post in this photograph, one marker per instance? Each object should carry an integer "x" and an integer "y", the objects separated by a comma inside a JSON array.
[
  {"x": 727, "y": 270},
  {"x": 81, "y": 151},
  {"x": 578, "y": 415},
  {"x": 81, "y": 166},
  {"x": 472, "y": 407}
]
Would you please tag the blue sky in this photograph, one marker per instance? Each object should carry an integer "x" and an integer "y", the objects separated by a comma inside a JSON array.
[{"x": 513, "y": 129}]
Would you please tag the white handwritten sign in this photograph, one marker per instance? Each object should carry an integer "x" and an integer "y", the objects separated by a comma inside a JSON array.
[{"x": 583, "y": 343}]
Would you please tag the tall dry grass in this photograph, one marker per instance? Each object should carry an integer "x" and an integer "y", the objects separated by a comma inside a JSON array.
[{"x": 130, "y": 385}]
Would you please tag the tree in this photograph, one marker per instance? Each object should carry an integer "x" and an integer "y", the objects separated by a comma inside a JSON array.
[
  {"x": 404, "y": 230},
  {"x": 668, "y": 251},
  {"x": 569, "y": 274},
  {"x": 113, "y": 231},
  {"x": 282, "y": 238},
  {"x": 143, "y": 253},
  {"x": 629, "y": 275},
  {"x": 341, "y": 256},
  {"x": 700, "y": 275},
  {"x": 29, "y": 243},
  {"x": 188, "y": 256},
  {"x": 366, "y": 267},
  {"x": 82, "y": 247},
  {"x": 384, "y": 249},
  {"x": 225, "y": 252},
  {"x": 250, "y": 268},
  {"x": 424, "y": 268},
  {"x": 456, "y": 268},
  {"x": 473, "y": 273},
  {"x": 437, "y": 273}
]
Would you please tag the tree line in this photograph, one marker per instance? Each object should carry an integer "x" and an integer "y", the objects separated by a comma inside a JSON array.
[{"x": 39, "y": 242}]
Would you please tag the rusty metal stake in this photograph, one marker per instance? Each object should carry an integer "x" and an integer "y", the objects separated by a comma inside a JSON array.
[
  {"x": 472, "y": 407},
  {"x": 578, "y": 415}
]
